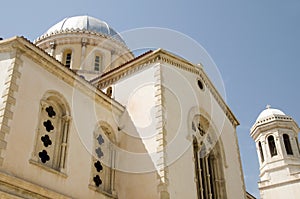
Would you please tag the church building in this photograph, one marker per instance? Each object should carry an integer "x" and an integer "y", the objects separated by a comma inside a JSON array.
[{"x": 82, "y": 117}]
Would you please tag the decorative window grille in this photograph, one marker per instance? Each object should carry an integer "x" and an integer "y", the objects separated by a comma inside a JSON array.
[
  {"x": 102, "y": 178},
  {"x": 52, "y": 134}
]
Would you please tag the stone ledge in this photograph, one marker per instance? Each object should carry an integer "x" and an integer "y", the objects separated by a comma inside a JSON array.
[
  {"x": 32, "y": 161},
  {"x": 13, "y": 187}
]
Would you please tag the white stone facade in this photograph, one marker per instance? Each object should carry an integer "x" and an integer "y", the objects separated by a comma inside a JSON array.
[{"x": 133, "y": 132}]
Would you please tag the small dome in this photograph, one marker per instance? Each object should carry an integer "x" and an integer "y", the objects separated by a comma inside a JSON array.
[
  {"x": 85, "y": 23},
  {"x": 269, "y": 112}
]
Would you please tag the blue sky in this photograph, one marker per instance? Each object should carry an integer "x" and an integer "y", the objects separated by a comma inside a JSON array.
[{"x": 255, "y": 45}]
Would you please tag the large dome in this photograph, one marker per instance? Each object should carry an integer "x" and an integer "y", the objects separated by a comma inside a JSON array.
[
  {"x": 84, "y": 23},
  {"x": 269, "y": 112}
]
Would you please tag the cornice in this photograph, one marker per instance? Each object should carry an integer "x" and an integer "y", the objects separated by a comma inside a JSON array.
[
  {"x": 274, "y": 121},
  {"x": 162, "y": 56},
  {"x": 88, "y": 38},
  {"x": 78, "y": 31},
  {"x": 55, "y": 67},
  {"x": 263, "y": 185}
]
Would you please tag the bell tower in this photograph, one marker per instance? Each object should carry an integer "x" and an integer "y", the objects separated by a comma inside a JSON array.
[{"x": 276, "y": 138}]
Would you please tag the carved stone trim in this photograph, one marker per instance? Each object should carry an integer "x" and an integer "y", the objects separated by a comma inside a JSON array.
[
  {"x": 8, "y": 99},
  {"x": 43, "y": 37},
  {"x": 161, "y": 135}
]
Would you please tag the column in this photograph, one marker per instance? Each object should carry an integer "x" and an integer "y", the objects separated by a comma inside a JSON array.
[
  {"x": 83, "y": 51},
  {"x": 52, "y": 47}
]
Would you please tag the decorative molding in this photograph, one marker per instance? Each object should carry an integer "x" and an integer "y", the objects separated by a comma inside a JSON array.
[
  {"x": 66, "y": 31},
  {"x": 88, "y": 38},
  {"x": 264, "y": 185},
  {"x": 271, "y": 122},
  {"x": 8, "y": 99},
  {"x": 13, "y": 187}
]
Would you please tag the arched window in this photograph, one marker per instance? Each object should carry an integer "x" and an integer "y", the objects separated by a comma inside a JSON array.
[
  {"x": 287, "y": 144},
  {"x": 52, "y": 133},
  {"x": 97, "y": 63},
  {"x": 261, "y": 152},
  {"x": 272, "y": 146},
  {"x": 67, "y": 58},
  {"x": 102, "y": 178},
  {"x": 208, "y": 170}
]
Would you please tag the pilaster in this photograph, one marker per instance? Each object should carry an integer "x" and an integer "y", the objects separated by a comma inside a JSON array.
[
  {"x": 8, "y": 100},
  {"x": 161, "y": 135}
]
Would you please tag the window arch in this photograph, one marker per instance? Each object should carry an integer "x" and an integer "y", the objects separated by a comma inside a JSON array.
[
  {"x": 67, "y": 58},
  {"x": 261, "y": 152},
  {"x": 103, "y": 160},
  {"x": 52, "y": 132},
  {"x": 272, "y": 145},
  {"x": 287, "y": 144}
]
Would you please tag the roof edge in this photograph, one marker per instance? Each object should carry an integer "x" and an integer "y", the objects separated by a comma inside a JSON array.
[{"x": 163, "y": 55}]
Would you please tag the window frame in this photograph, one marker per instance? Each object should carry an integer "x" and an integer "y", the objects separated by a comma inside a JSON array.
[
  {"x": 287, "y": 144},
  {"x": 97, "y": 64},
  {"x": 59, "y": 140},
  {"x": 272, "y": 146},
  {"x": 66, "y": 59},
  {"x": 262, "y": 158},
  {"x": 108, "y": 181}
]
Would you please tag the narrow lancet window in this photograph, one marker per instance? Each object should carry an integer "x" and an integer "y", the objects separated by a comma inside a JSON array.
[
  {"x": 261, "y": 152},
  {"x": 97, "y": 63},
  {"x": 102, "y": 176},
  {"x": 67, "y": 58},
  {"x": 287, "y": 144},
  {"x": 52, "y": 132},
  {"x": 272, "y": 146}
]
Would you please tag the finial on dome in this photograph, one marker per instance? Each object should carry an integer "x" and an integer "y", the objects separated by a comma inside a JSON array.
[{"x": 268, "y": 106}]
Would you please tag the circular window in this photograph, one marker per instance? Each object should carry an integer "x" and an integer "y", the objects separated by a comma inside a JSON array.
[{"x": 200, "y": 84}]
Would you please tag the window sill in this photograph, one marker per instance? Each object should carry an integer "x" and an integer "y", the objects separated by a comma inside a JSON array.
[
  {"x": 49, "y": 169},
  {"x": 111, "y": 195}
]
